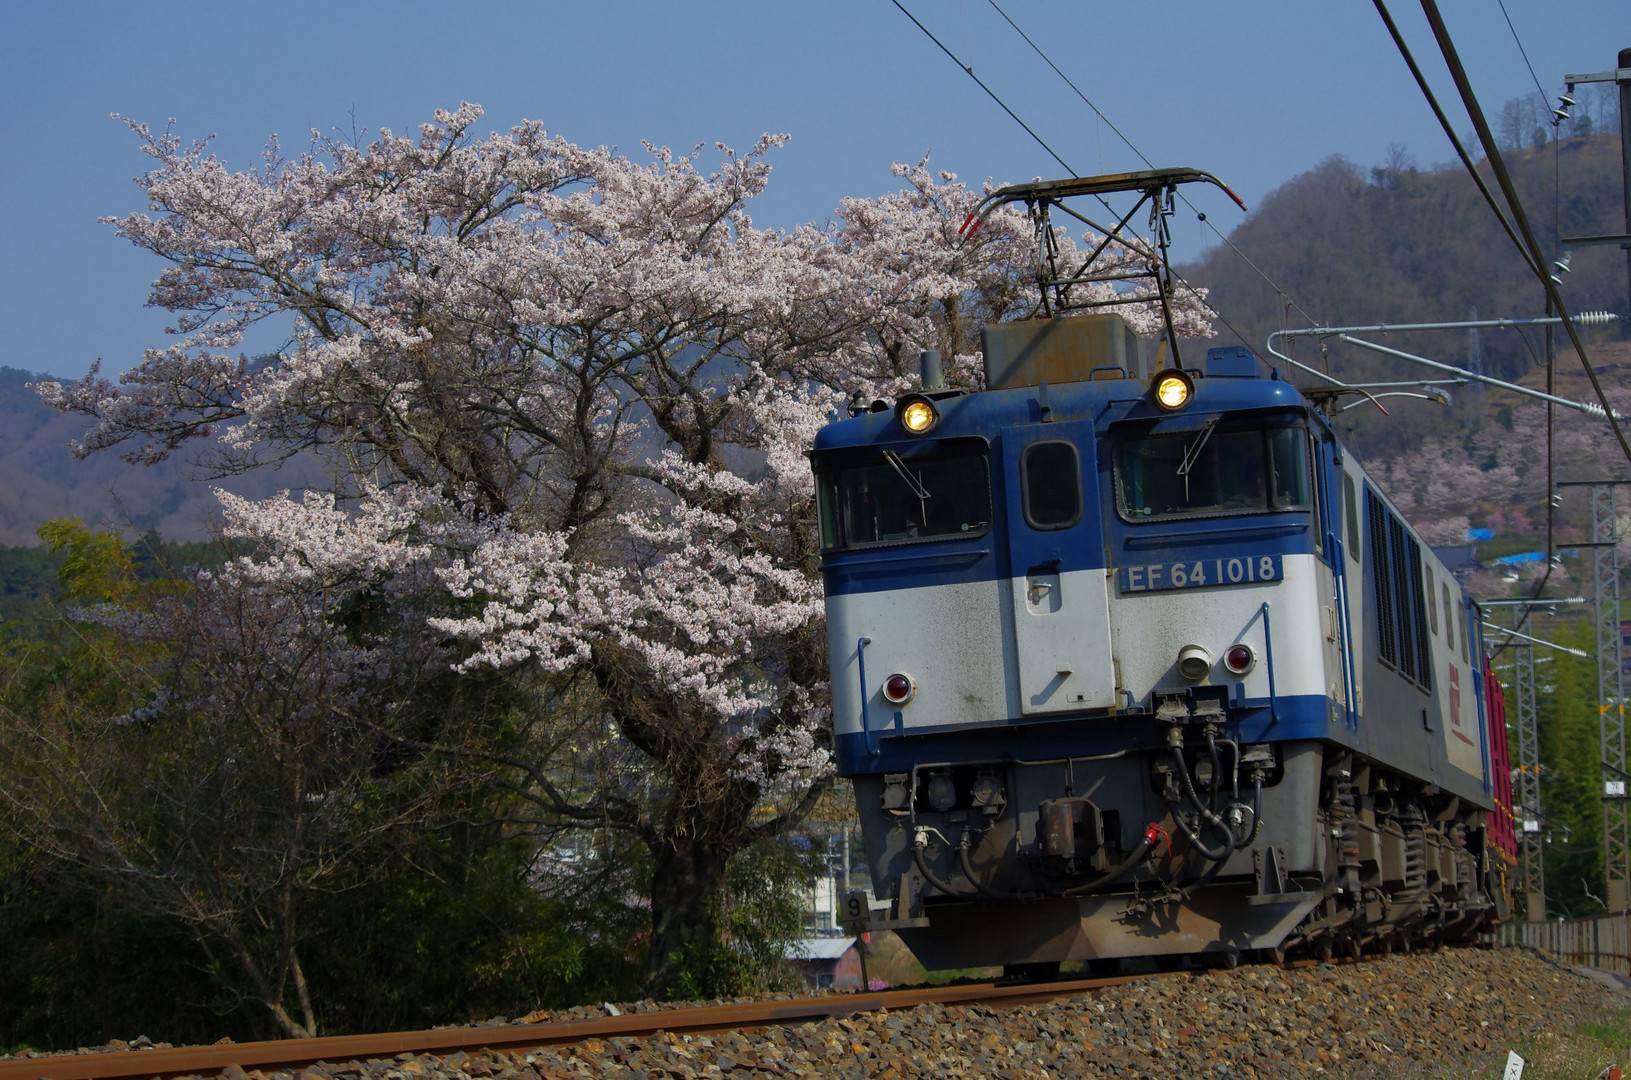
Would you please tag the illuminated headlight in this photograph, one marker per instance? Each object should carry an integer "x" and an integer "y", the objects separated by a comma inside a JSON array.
[
  {"x": 1194, "y": 663},
  {"x": 916, "y": 413},
  {"x": 1172, "y": 389}
]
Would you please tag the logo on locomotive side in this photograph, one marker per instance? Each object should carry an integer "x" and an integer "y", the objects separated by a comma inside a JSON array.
[{"x": 1201, "y": 573}]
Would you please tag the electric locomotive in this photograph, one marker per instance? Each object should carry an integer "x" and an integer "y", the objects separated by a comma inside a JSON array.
[{"x": 1131, "y": 663}]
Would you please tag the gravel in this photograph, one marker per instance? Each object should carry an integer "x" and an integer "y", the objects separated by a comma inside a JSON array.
[{"x": 1402, "y": 1016}]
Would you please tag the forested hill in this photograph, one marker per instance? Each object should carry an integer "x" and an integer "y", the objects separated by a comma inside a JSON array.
[
  {"x": 41, "y": 480},
  {"x": 1353, "y": 245}
]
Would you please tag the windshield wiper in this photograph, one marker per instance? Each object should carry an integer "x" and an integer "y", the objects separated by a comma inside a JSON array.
[
  {"x": 899, "y": 466},
  {"x": 1192, "y": 453}
]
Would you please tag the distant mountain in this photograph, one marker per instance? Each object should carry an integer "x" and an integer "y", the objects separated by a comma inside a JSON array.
[
  {"x": 40, "y": 479},
  {"x": 1400, "y": 244}
]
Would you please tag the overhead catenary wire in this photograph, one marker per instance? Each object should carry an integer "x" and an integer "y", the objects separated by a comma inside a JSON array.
[
  {"x": 1536, "y": 257},
  {"x": 1449, "y": 132},
  {"x": 990, "y": 92},
  {"x": 969, "y": 70},
  {"x": 1492, "y": 151},
  {"x": 1522, "y": 51},
  {"x": 1531, "y": 260},
  {"x": 1259, "y": 271}
]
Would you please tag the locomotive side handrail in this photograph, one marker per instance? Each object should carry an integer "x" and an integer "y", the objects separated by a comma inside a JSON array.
[
  {"x": 1268, "y": 657},
  {"x": 866, "y": 724},
  {"x": 1350, "y": 714}
]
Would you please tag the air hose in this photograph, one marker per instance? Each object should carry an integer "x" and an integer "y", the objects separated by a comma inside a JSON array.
[
  {"x": 1209, "y": 816},
  {"x": 919, "y": 845},
  {"x": 1133, "y": 861},
  {"x": 967, "y": 863}
]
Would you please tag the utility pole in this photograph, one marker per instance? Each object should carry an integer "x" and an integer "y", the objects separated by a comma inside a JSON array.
[
  {"x": 1529, "y": 835},
  {"x": 1610, "y": 688},
  {"x": 1530, "y": 824},
  {"x": 1611, "y": 696},
  {"x": 1621, "y": 76}
]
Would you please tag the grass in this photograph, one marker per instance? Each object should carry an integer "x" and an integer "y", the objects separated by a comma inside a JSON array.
[{"x": 1578, "y": 1053}]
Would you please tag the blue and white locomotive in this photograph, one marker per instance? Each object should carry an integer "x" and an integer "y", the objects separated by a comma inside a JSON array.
[{"x": 1134, "y": 666}]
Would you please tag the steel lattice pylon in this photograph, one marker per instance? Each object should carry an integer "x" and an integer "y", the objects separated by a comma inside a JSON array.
[
  {"x": 1610, "y": 695},
  {"x": 1529, "y": 818}
]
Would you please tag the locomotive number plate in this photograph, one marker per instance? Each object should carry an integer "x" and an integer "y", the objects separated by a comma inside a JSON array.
[{"x": 1201, "y": 573}]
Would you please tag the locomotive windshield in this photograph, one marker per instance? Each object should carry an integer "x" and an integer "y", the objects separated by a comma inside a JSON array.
[
  {"x": 1213, "y": 470},
  {"x": 888, "y": 497}
]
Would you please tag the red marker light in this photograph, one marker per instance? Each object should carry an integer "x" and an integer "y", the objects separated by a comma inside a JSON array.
[
  {"x": 1239, "y": 659},
  {"x": 898, "y": 689}
]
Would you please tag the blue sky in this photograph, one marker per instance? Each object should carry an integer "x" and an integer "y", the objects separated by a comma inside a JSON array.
[{"x": 1255, "y": 93}]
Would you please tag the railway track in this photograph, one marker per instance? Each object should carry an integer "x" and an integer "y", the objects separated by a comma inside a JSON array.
[{"x": 291, "y": 1054}]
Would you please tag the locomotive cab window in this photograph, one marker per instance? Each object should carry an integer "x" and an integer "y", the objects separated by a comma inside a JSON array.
[
  {"x": 1052, "y": 477},
  {"x": 1213, "y": 470},
  {"x": 893, "y": 496}
]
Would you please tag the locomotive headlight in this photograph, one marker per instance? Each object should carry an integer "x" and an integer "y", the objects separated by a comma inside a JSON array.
[
  {"x": 916, "y": 413},
  {"x": 899, "y": 688},
  {"x": 1239, "y": 659},
  {"x": 1172, "y": 389},
  {"x": 1194, "y": 662}
]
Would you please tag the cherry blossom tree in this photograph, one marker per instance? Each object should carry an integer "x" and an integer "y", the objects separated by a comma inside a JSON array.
[{"x": 573, "y": 390}]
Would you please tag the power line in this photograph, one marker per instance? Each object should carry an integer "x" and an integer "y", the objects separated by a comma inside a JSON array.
[
  {"x": 1278, "y": 291},
  {"x": 1015, "y": 116},
  {"x": 1038, "y": 50},
  {"x": 1530, "y": 260},
  {"x": 1449, "y": 132},
  {"x": 1453, "y": 60},
  {"x": 1524, "y": 53},
  {"x": 992, "y": 93}
]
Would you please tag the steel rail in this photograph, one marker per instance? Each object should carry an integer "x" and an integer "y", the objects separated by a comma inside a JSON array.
[{"x": 289, "y": 1054}]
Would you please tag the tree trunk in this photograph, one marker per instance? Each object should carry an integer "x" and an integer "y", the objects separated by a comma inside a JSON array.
[{"x": 686, "y": 880}]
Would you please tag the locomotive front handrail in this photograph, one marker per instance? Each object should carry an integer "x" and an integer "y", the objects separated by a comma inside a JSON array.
[
  {"x": 866, "y": 722},
  {"x": 1268, "y": 656}
]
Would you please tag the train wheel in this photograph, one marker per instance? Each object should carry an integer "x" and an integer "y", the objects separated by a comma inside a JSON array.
[{"x": 1322, "y": 949}]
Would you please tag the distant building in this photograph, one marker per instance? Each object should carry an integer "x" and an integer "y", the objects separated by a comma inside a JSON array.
[
  {"x": 1459, "y": 559},
  {"x": 827, "y": 963}
]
